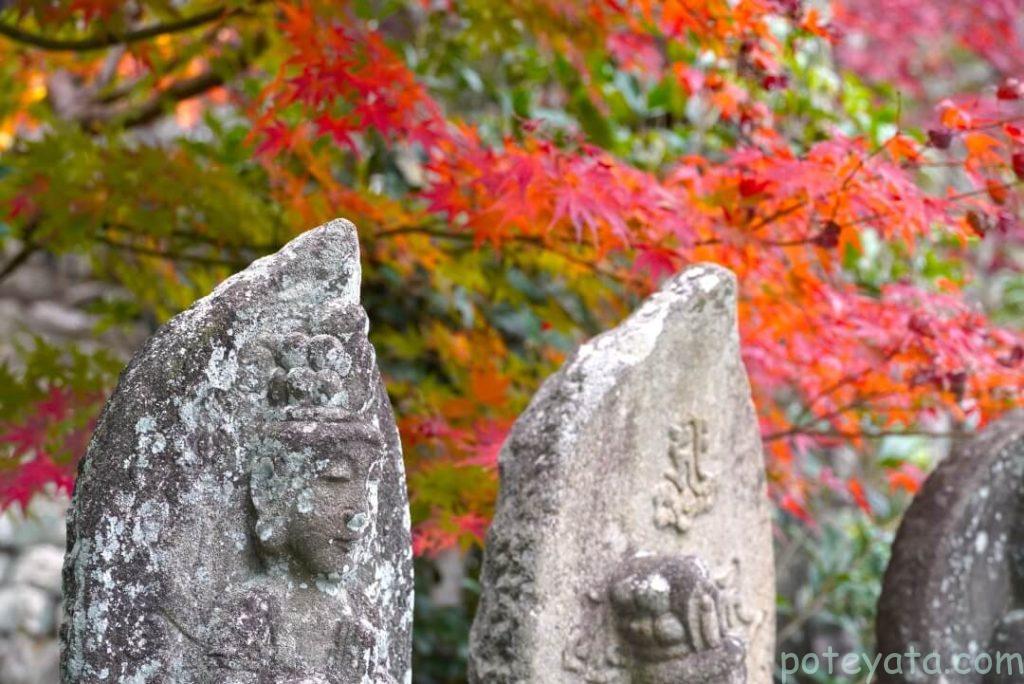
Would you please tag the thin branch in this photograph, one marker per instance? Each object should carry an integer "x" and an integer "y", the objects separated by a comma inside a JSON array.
[
  {"x": 523, "y": 239},
  {"x": 812, "y": 609},
  {"x": 184, "y": 89},
  {"x": 27, "y": 250},
  {"x": 846, "y": 380},
  {"x": 861, "y": 163},
  {"x": 194, "y": 237},
  {"x": 846, "y": 434},
  {"x": 820, "y": 599},
  {"x": 952, "y": 198},
  {"x": 171, "y": 256},
  {"x": 109, "y": 69},
  {"x": 104, "y": 40},
  {"x": 423, "y": 230},
  {"x": 776, "y": 215},
  {"x": 91, "y": 115},
  {"x": 109, "y": 93}
]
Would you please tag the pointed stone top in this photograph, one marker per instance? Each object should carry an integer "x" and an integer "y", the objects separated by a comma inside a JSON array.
[
  {"x": 632, "y": 536},
  {"x": 241, "y": 513}
]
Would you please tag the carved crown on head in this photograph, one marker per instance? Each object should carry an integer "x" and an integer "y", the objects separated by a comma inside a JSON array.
[{"x": 322, "y": 373}]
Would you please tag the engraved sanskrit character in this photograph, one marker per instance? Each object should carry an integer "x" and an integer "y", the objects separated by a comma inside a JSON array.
[
  {"x": 687, "y": 489},
  {"x": 593, "y": 652},
  {"x": 738, "y": 618}
]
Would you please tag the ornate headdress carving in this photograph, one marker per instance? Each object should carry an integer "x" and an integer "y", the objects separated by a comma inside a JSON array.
[{"x": 325, "y": 376}]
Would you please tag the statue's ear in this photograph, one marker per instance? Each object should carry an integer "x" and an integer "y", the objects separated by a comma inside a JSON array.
[{"x": 269, "y": 526}]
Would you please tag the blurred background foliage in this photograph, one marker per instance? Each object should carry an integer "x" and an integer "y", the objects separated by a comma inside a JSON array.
[{"x": 522, "y": 174}]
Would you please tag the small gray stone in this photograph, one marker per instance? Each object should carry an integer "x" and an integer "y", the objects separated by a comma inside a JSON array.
[
  {"x": 12, "y": 318},
  {"x": 73, "y": 267},
  {"x": 40, "y": 567},
  {"x": 27, "y": 660},
  {"x": 451, "y": 566},
  {"x": 58, "y": 319},
  {"x": 8, "y": 531},
  {"x": 42, "y": 523},
  {"x": 32, "y": 281},
  {"x": 84, "y": 293},
  {"x": 25, "y": 609},
  {"x": 632, "y": 536}
]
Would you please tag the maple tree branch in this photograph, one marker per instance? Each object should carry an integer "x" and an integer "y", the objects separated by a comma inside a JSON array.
[
  {"x": 423, "y": 230},
  {"x": 92, "y": 110},
  {"x": 983, "y": 191},
  {"x": 180, "y": 90},
  {"x": 995, "y": 123},
  {"x": 196, "y": 239},
  {"x": 109, "y": 69},
  {"x": 807, "y": 428},
  {"x": 796, "y": 242},
  {"x": 262, "y": 248},
  {"x": 776, "y": 215},
  {"x": 107, "y": 93},
  {"x": 523, "y": 239},
  {"x": 847, "y": 434},
  {"x": 804, "y": 422},
  {"x": 169, "y": 255},
  {"x": 104, "y": 40},
  {"x": 951, "y": 198},
  {"x": 846, "y": 380},
  {"x": 595, "y": 267},
  {"x": 861, "y": 163},
  {"x": 812, "y": 609},
  {"x": 27, "y": 250}
]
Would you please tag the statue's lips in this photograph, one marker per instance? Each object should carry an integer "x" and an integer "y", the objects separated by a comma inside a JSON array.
[
  {"x": 321, "y": 414},
  {"x": 343, "y": 543}
]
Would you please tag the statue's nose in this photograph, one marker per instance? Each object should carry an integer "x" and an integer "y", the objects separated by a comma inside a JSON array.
[{"x": 356, "y": 521}]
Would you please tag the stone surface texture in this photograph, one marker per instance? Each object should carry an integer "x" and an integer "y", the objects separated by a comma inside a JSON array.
[
  {"x": 632, "y": 537},
  {"x": 241, "y": 512},
  {"x": 31, "y": 549},
  {"x": 955, "y": 582}
]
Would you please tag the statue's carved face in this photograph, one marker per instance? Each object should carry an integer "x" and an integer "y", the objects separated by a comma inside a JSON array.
[
  {"x": 310, "y": 501},
  {"x": 331, "y": 514},
  {"x": 315, "y": 390}
]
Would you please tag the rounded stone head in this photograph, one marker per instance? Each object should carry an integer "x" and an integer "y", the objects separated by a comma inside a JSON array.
[{"x": 310, "y": 493}]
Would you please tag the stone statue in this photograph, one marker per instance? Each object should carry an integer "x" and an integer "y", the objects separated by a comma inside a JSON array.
[
  {"x": 241, "y": 514},
  {"x": 955, "y": 583},
  {"x": 1008, "y": 633},
  {"x": 632, "y": 536}
]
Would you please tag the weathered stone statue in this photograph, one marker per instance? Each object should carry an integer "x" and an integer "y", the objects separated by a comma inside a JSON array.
[
  {"x": 955, "y": 583},
  {"x": 632, "y": 538},
  {"x": 241, "y": 514}
]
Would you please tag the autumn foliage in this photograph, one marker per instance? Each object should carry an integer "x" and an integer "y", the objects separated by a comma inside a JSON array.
[{"x": 522, "y": 174}]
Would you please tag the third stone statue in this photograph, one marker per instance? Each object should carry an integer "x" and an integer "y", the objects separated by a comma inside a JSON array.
[
  {"x": 632, "y": 537},
  {"x": 954, "y": 588},
  {"x": 241, "y": 514}
]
